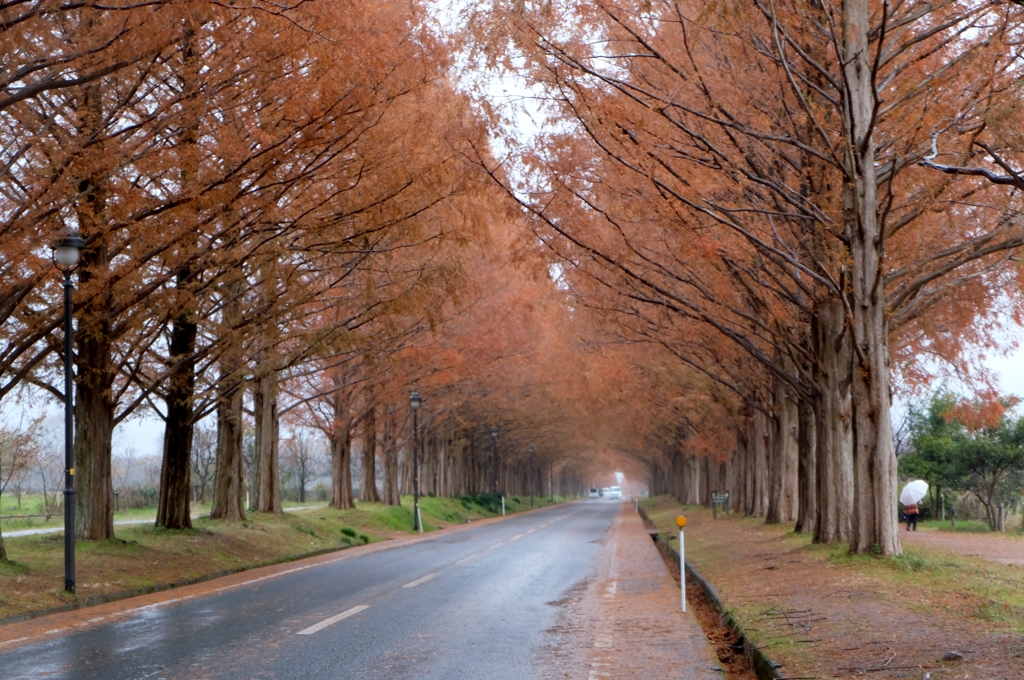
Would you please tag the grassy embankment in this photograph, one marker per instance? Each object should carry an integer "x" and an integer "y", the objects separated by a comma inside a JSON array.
[
  {"x": 925, "y": 581},
  {"x": 33, "y": 504},
  {"x": 143, "y": 557}
]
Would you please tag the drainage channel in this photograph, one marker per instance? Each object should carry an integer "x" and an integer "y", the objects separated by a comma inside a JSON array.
[{"x": 730, "y": 648}]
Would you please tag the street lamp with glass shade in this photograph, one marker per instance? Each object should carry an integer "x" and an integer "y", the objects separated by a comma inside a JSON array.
[
  {"x": 66, "y": 250},
  {"x": 415, "y": 402}
]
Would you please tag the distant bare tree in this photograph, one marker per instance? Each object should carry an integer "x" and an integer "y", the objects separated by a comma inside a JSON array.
[
  {"x": 901, "y": 435},
  {"x": 19, "y": 475},
  {"x": 49, "y": 466},
  {"x": 150, "y": 467},
  {"x": 304, "y": 460},
  {"x": 203, "y": 461},
  {"x": 124, "y": 462},
  {"x": 18, "y": 449}
]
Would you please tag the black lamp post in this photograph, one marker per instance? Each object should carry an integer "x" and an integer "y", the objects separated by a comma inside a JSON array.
[
  {"x": 531, "y": 476},
  {"x": 414, "y": 402},
  {"x": 494, "y": 435},
  {"x": 65, "y": 255}
]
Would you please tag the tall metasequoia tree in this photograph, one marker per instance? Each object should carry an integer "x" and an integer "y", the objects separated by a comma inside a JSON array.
[
  {"x": 782, "y": 495},
  {"x": 94, "y": 402},
  {"x": 173, "y": 508},
  {"x": 875, "y": 526}
]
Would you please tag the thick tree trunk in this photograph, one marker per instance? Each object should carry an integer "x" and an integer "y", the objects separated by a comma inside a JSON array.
[
  {"x": 784, "y": 461},
  {"x": 268, "y": 493},
  {"x": 744, "y": 482},
  {"x": 695, "y": 481},
  {"x": 807, "y": 478},
  {"x": 341, "y": 456},
  {"x": 405, "y": 468},
  {"x": 759, "y": 441},
  {"x": 368, "y": 478},
  {"x": 228, "y": 485},
  {"x": 428, "y": 469},
  {"x": 389, "y": 454},
  {"x": 690, "y": 478},
  {"x": 173, "y": 511},
  {"x": 875, "y": 525},
  {"x": 834, "y": 431},
  {"x": 229, "y": 479},
  {"x": 94, "y": 426}
]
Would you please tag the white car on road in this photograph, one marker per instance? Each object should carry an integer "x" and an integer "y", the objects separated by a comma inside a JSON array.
[{"x": 614, "y": 493}]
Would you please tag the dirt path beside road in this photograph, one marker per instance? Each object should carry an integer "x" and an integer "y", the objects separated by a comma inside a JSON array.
[
  {"x": 1004, "y": 549},
  {"x": 824, "y": 614}
]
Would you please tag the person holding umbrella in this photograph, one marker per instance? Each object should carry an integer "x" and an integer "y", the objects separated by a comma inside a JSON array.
[
  {"x": 911, "y": 511},
  {"x": 911, "y": 495}
]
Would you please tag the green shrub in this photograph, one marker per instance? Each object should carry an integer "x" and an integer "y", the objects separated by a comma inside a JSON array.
[
  {"x": 909, "y": 562},
  {"x": 349, "y": 531}
]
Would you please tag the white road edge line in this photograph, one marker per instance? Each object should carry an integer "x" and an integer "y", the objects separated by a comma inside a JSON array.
[
  {"x": 516, "y": 536},
  {"x": 497, "y": 545},
  {"x": 334, "y": 619},
  {"x": 467, "y": 559},
  {"x": 420, "y": 580}
]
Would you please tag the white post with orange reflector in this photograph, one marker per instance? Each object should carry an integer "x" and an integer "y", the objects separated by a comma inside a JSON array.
[{"x": 681, "y": 521}]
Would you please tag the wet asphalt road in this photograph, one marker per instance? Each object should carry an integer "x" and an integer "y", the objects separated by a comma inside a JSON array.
[{"x": 472, "y": 604}]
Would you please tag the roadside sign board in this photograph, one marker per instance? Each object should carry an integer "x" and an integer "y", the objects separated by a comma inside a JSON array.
[{"x": 719, "y": 499}]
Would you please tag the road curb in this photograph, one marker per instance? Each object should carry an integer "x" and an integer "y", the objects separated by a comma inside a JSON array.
[{"x": 763, "y": 666}]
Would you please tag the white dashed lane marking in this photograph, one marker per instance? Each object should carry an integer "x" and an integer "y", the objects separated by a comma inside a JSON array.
[
  {"x": 420, "y": 580},
  {"x": 334, "y": 619}
]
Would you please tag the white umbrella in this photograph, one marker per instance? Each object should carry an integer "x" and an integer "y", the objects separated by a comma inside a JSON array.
[{"x": 913, "y": 492}]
